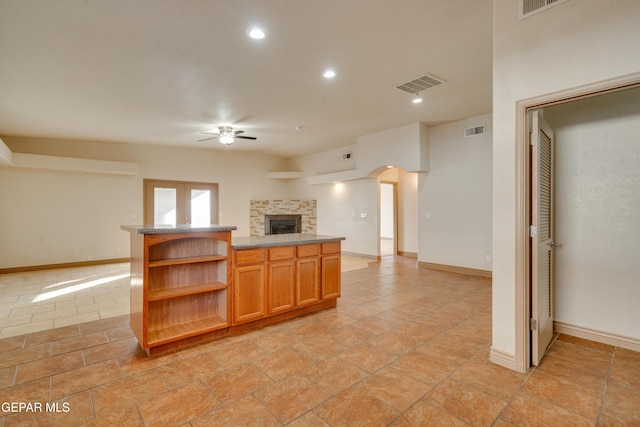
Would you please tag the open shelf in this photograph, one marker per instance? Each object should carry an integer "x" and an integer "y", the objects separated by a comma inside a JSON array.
[
  {"x": 185, "y": 290},
  {"x": 185, "y": 280},
  {"x": 186, "y": 260},
  {"x": 185, "y": 330}
]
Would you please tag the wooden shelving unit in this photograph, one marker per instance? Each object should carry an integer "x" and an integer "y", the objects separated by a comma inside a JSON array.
[{"x": 180, "y": 286}]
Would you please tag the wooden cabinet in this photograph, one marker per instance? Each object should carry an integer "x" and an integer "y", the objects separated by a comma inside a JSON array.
[
  {"x": 280, "y": 283},
  {"x": 279, "y": 280},
  {"x": 179, "y": 286},
  {"x": 248, "y": 293},
  {"x": 249, "y": 285},
  {"x": 330, "y": 271}
]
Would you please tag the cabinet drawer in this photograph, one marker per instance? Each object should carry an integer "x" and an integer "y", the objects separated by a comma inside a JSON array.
[
  {"x": 277, "y": 254},
  {"x": 330, "y": 248},
  {"x": 249, "y": 256},
  {"x": 308, "y": 250}
]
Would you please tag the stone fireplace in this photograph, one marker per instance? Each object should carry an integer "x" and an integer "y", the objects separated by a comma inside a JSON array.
[{"x": 280, "y": 215}]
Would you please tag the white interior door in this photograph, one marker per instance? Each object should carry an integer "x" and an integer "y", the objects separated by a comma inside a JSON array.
[{"x": 542, "y": 243}]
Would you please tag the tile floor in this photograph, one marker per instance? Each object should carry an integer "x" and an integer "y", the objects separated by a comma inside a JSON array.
[
  {"x": 40, "y": 300},
  {"x": 405, "y": 347}
]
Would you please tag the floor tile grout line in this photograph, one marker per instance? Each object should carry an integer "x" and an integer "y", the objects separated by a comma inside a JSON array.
[
  {"x": 606, "y": 386},
  {"x": 514, "y": 395}
]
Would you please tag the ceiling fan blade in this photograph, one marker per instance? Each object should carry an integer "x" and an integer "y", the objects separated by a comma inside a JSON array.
[
  {"x": 238, "y": 132},
  {"x": 207, "y": 139},
  {"x": 246, "y": 137}
]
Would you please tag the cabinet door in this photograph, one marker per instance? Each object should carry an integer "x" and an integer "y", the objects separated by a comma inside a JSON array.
[
  {"x": 248, "y": 301},
  {"x": 280, "y": 286},
  {"x": 307, "y": 280},
  {"x": 330, "y": 279}
]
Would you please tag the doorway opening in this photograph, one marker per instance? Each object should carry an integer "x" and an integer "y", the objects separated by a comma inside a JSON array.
[
  {"x": 388, "y": 222},
  {"x": 525, "y": 285}
]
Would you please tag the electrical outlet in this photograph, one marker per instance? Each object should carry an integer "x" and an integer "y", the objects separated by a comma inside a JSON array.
[{"x": 488, "y": 258}]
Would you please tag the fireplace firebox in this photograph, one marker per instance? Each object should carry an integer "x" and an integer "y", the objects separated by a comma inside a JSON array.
[{"x": 282, "y": 224}]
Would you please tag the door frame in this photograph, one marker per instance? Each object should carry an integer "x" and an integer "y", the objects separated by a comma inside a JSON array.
[{"x": 523, "y": 199}]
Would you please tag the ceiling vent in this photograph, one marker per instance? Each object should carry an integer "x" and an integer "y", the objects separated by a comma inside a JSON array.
[
  {"x": 474, "y": 131},
  {"x": 531, "y": 7},
  {"x": 419, "y": 84}
]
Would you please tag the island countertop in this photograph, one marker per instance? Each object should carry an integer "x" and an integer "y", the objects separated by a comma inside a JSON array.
[
  {"x": 180, "y": 228},
  {"x": 249, "y": 242}
]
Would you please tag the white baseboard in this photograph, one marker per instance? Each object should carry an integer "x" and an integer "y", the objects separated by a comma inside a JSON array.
[
  {"x": 597, "y": 336},
  {"x": 503, "y": 359}
]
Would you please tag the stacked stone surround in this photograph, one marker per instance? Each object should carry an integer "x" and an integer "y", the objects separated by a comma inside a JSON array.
[{"x": 260, "y": 208}]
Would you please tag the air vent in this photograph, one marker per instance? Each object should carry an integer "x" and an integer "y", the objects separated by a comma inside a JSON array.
[
  {"x": 474, "y": 131},
  {"x": 419, "y": 84},
  {"x": 531, "y": 7}
]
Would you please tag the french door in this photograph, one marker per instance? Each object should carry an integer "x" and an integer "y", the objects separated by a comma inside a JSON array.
[{"x": 168, "y": 203}]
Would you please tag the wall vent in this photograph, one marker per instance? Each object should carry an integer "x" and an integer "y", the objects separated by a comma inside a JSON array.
[
  {"x": 531, "y": 7},
  {"x": 419, "y": 84},
  {"x": 474, "y": 131}
]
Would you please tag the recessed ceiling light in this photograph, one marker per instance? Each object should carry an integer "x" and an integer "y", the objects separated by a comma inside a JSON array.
[
  {"x": 256, "y": 33},
  {"x": 329, "y": 74}
]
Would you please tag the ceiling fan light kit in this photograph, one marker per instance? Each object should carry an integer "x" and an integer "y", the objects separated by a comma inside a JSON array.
[
  {"x": 226, "y": 139},
  {"x": 227, "y": 136}
]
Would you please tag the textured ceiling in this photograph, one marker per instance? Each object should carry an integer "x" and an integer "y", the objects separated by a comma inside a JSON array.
[{"x": 163, "y": 71}]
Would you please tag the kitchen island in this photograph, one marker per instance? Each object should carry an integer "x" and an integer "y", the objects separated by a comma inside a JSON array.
[{"x": 194, "y": 284}]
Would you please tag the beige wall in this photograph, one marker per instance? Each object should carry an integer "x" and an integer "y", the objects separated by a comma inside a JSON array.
[
  {"x": 456, "y": 190},
  {"x": 455, "y": 197},
  {"x": 349, "y": 208},
  {"x": 53, "y": 217},
  {"x": 573, "y": 44},
  {"x": 341, "y": 207}
]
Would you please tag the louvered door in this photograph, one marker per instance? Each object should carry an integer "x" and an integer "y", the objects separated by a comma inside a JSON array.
[{"x": 542, "y": 243}]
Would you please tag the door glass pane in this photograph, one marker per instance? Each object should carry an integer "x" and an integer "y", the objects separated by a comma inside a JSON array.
[
  {"x": 164, "y": 206},
  {"x": 200, "y": 207}
]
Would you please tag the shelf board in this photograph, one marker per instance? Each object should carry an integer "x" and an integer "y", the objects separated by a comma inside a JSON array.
[
  {"x": 186, "y": 290},
  {"x": 187, "y": 260},
  {"x": 185, "y": 330}
]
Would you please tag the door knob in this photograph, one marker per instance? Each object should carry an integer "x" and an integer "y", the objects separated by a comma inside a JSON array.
[{"x": 554, "y": 244}]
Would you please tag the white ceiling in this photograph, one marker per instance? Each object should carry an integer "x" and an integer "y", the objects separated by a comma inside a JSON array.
[{"x": 163, "y": 71}]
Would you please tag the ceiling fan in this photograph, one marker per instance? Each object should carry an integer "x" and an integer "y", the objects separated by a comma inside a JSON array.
[{"x": 226, "y": 135}]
